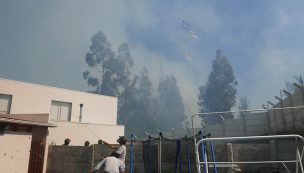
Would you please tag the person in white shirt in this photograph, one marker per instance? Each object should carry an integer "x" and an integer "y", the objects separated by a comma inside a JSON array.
[
  {"x": 110, "y": 164},
  {"x": 121, "y": 150}
]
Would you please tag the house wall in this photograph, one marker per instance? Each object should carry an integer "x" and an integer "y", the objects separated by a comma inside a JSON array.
[
  {"x": 31, "y": 98},
  {"x": 99, "y": 113},
  {"x": 81, "y": 132},
  {"x": 15, "y": 151}
]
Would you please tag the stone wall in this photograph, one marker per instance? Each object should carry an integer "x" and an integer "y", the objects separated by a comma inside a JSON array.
[{"x": 80, "y": 159}]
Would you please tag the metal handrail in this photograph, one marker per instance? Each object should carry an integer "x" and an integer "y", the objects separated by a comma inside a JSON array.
[
  {"x": 206, "y": 163},
  {"x": 227, "y": 112}
]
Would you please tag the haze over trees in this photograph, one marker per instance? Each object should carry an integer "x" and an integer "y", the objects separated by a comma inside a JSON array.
[
  {"x": 108, "y": 73},
  {"x": 139, "y": 116},
  {"x": 219, "y": 92},
  {"x": 140, "y": 107},
  {"x": 171, "y": 107},
  {"x": 244, "y": 103}
]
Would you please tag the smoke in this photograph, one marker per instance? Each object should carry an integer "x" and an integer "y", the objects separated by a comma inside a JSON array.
[{"x": 45, "y": 42}]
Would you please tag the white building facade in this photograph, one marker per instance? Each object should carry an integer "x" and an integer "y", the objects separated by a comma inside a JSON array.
[{"x": 79, "y": 116}]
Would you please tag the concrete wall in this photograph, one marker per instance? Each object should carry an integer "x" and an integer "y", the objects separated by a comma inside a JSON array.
[
  {"x": 15, "y": 151},
  {"x": 66, "y": 159},
  {"x": 250, "y": 125},
  {"x": 31, "y": 98},
  {"x": 288, "y": 121}
]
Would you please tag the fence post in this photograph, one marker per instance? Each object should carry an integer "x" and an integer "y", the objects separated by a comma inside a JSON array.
[
  {"x": 244, "y": 124},
  {"x": 268, "y": 121},
  {"x": 229, "y": 152}
]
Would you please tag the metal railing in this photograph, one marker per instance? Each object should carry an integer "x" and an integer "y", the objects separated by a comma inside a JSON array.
[
  {"x": 207, "y": 164},
  {"x": 204, "y": 126}
]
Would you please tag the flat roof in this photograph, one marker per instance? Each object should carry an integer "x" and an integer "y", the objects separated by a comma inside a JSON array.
[{"x": 5, "y": 118}]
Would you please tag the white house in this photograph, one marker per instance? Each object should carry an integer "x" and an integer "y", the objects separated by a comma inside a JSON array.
[{"x": 79, "y": 116}]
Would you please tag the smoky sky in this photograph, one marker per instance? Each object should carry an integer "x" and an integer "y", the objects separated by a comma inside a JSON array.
[{"x": 45, "y": 42}]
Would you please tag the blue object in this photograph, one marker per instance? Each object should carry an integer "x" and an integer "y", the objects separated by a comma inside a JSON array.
[
  {"x": 213, "y": 157},
  {"x": 178, "y": 158},
  {"x": 203, "y": 157}
]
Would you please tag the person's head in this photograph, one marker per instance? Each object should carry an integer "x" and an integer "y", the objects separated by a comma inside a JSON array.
[
  {"x": 86, "y": 143},
  {"x": 67, "y": 141},
  {"x": 122, "y": 140},
  {"x": 100, "y": 141}
]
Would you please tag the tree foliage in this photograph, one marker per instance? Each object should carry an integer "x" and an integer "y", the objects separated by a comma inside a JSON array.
[
  {"x": 108, "y": 73},
  {"x": 219, "y": 93},
  {"x": 139, "y": 108},
  {"x": 171, "y": 106},
  {"x": 244, "y": 103},
  {"x": 138, "y": 111}
]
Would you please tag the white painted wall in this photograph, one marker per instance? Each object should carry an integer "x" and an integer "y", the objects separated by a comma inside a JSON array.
[
  {"x": 31, "y": 98},
  {"x": 14, "y": 152},
  {"x": 81, "y": 132}
]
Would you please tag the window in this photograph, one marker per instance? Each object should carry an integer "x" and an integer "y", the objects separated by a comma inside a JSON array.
[
  {"x": 61, "y": 111},
  {"x": 5, "y": 103}
]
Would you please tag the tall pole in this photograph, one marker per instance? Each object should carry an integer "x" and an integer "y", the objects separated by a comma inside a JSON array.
[{"x": 160, "y": 150}]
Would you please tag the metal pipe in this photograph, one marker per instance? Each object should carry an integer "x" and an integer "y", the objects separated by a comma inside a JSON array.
[
  {"x": 300, "y": 159},
  {"x": 253, "y": 137},
  {"x": 198, "y": 166},
  {"x": 249, "y": 138},
  {"x": 80, "y": 114},
  {"x": 160, "y": 149},
  {"x": 225, "y": 112},
  {"x": 249, "y": 162}
]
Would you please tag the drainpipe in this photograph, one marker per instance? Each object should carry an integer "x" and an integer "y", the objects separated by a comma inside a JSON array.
[{"x": 80, "y": 114}]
